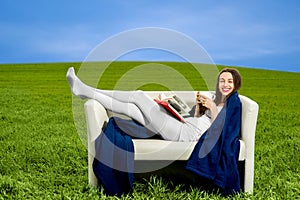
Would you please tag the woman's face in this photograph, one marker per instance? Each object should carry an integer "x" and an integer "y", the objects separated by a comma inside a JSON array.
[{"x": 226, "y": 84}]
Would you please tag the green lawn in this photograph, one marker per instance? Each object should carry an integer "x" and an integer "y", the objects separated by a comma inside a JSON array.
[{"x": 42, "y": 156}]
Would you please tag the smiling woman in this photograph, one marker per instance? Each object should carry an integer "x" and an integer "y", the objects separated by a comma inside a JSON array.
[
  {"x": 221, "y": 120},
  {"x": 141, "y": 108},
  {"x": 226, "y": 85},
  {"x": 229, "y": 81}
]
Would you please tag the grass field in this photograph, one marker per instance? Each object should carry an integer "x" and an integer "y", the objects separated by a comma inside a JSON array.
[{"x": 42, "y": 156}]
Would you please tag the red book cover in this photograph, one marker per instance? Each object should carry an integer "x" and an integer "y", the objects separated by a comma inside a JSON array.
[{"x": 170, "y": 109}]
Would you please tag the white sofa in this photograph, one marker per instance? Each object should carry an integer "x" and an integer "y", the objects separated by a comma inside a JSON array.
[{"x": 162, "y": 150}]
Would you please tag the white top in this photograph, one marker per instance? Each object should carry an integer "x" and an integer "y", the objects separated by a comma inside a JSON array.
[{"x": 198, "y": 125}]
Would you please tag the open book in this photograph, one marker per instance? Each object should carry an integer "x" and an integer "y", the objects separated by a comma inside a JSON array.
[{"x": 173, "y": 104}]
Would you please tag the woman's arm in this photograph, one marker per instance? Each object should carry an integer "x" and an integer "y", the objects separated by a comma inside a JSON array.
[{"x": 214, "y": 112}]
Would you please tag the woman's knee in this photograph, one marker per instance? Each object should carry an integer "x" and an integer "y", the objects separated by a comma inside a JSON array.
[{"x": 139, "y": 95}]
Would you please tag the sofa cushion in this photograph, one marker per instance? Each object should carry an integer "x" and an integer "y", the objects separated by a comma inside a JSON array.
[{"x": 155, "y": 149}]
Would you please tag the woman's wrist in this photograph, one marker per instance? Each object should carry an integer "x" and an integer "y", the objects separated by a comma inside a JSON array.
[{"x": 214, "y": 112}]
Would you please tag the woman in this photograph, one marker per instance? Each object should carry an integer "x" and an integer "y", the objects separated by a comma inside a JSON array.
[{"x": 143, "y": 109}]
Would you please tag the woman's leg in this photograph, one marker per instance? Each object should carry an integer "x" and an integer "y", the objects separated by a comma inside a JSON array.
[
  {"x": 134, "y": 104},
  {"x": 82, "y": 90}
]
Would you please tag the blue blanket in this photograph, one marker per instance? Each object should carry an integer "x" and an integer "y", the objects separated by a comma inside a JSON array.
[
  {"x": 215, "y": 157},
  {"x": 114, "y": 160}
]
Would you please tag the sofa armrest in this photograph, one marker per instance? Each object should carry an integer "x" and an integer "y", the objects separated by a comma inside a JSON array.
[
  {"x": 249, "y": 120},
  {"x": 96, "y": 117}
]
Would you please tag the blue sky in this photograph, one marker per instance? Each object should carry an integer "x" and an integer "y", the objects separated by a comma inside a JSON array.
[{"x": 260, "y": 34}]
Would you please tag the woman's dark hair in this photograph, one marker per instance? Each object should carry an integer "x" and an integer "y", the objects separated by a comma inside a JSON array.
[{"x": 237, "y": 81}]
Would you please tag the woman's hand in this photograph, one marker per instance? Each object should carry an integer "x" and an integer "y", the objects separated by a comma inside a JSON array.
[
  {"x": 205, "y": 101},
  {"x": 208, "y": 103},
  {"x": 199, "y": 110}
]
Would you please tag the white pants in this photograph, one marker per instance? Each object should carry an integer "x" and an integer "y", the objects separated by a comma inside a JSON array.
[{"x": 140, "y": 107}]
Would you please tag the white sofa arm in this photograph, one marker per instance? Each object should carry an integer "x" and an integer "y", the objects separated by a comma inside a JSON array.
[
  {"x": 96, "y": 117},
  {"x": 249, "y": 119}
]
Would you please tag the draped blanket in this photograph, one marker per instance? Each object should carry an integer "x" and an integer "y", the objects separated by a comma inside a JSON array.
[
  {"x": 114, "y": 160},
  {"x": 215, "y": 157}
]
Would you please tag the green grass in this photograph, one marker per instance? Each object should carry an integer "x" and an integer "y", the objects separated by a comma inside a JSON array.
[{"x": 42, "y": 156}]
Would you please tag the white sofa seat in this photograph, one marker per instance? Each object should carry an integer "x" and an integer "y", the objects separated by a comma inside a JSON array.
[
  {"x": 162, "y": 150},
  {"x": 153, "y": 149}
]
